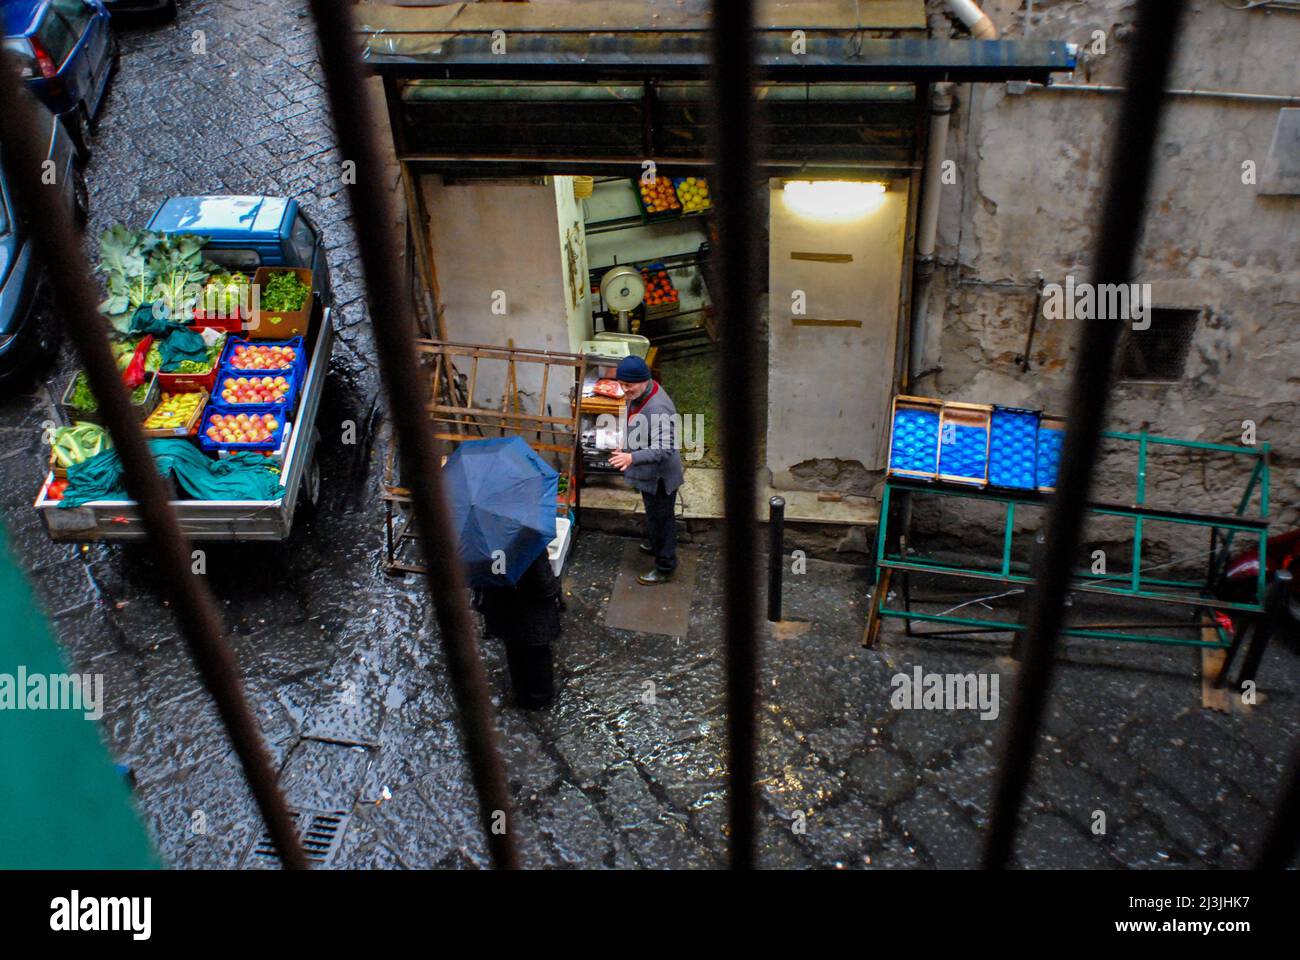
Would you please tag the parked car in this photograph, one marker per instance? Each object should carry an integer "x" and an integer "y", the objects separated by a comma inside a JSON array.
[
  {"x": 66, "y": 52},
  {"x": 167, "y": 8},
  {"x": 29, "y": 328}
]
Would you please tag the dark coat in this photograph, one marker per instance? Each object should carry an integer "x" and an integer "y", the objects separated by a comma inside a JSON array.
[{"x": 653, "y": 441}]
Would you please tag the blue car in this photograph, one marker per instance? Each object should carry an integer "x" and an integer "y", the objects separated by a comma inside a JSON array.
[
  {"x": 29, "y": 328},
  {"x": 66, "y": 52}
]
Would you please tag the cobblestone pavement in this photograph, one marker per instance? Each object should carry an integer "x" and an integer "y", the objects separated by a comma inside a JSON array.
[{"x": 345, "y": 673}]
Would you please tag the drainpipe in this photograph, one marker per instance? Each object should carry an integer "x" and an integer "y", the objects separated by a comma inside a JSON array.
[
  {"x": 927, "y": 228},
  {"x": 941, "y": 102},
  {"x": 976, "y": 20}
]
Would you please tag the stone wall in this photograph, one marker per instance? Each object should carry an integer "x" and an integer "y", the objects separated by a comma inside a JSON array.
[{"x": 1031, "y": 172}]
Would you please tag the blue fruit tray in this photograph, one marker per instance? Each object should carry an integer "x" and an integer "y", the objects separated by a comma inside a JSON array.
[
  {"x": 914, "y": 437},
  {"x": 293, "y": 375},
  {"x": 273, "y": 443},
  {"x": 227, "y": 355},
  {"x": 1013, "y": 448},
  {"x": 1051, "y": 438},
  {"x": 964, "y": 442}
]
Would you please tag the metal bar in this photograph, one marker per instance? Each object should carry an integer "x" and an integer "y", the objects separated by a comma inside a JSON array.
[
  {"x": 1125, "y": 204},
  {"x": 390, "y": 315},
  {"x": 1179, "y": 442},
  {"x": 999, "y": 626},
  {"x": 539, "y": 57},
  {"x": 1282, "y": 839},
  {"x": 1226, "y": 521},
  {"x": 734, "y": 119},
  {"x": 775, "y": 553},
  {"x": 915, "y": 566},
  {"x": 58, "y": 247},
  {"x": 1006, "y": 537},
  {"x": 1135, "y": 580}
]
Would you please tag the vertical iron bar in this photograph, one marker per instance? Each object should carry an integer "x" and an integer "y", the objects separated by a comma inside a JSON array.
[
  {"x": 734, "y": 179},
  {"x": 1126, "y": 191},
  {"x": 1282, "y": 839},
  {"x": 775, "y": 556},
  {"x": 58, "y": 249},
  {"x": 390, "y": 315}
]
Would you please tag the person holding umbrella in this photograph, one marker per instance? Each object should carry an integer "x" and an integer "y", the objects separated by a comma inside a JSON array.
[
  {"x": 502, "y": 497},
  {"x": 651, "y": 464}
]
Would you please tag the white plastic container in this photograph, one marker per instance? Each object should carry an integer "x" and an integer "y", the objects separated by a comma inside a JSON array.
[{"x": 557, "y": 551}]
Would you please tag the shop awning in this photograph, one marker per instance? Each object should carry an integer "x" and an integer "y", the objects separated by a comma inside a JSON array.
[
  {"x": 884, "y": 40},
  {"x": 598, "y": 87}
]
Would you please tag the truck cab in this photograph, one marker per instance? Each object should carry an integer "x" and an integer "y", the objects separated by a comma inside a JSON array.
[{"x": 245, "y": 233}]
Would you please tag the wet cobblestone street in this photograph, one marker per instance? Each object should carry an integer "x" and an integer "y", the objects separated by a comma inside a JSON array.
[{"x": 343, "y": 667}]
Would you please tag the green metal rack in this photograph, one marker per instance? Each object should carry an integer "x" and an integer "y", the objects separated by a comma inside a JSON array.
[{"x": 893, "y": 553}]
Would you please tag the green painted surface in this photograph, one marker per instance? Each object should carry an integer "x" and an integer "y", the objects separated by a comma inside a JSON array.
[{"x": 63, "y": 805}]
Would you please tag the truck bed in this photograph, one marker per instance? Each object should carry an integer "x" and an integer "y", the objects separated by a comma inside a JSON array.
[{"x": 213, "y": 519}]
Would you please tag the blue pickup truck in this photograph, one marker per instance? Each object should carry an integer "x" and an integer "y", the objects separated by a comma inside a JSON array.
[{"x": 243, "y": 234}]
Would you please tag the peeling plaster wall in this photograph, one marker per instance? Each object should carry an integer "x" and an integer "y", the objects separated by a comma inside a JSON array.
[
  {"x": 502, "y": 235},
  {"x": 1031, "y": 173}
]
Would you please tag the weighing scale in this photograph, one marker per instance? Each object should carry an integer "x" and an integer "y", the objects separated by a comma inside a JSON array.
[{"x": 623, "y": 289}]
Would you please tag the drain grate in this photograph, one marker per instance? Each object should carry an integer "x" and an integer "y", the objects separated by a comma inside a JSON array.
[{"x": 319, "y": 830}]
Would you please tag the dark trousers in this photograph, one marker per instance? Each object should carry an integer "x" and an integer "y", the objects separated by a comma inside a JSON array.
[
  {"x": 527, "y": 617},
  {"x": 531, "y": 671},
  {"x": 661, "y": 527}
]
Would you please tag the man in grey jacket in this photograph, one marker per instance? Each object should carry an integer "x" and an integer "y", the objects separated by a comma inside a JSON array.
[{"x": 651, "y": 463}]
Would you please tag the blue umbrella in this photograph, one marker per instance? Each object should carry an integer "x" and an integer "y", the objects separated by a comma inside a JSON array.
[{"x": 502, "y": 498}]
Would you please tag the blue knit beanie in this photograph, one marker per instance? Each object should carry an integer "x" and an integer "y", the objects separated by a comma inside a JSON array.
[{"x": 632, "y": 369}]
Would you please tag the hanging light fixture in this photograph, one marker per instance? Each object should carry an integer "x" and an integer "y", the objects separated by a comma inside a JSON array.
[{"x": 833, "y": 199}]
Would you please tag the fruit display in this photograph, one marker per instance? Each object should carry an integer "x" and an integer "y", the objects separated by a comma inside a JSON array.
[
  {"x": 55, "y": 490},
  {"x": 175, "y": 412},
  {"x": 228, "y": 428},
  {"x": 266, "y": 389},
  {"x": 270, "y": 357},
  {"x": 693, "y": 192},
  {"x": 659, "y": 195},
  {"x": 659, "y": 289}
]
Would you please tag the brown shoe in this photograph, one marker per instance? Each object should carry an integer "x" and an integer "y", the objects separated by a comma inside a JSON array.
[{"x": 654, "y": 577}]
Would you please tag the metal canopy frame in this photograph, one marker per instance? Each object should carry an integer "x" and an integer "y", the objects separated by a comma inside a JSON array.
[
  {"x": 1133, "y": 584},
  {"x": 685, "y": 55}
]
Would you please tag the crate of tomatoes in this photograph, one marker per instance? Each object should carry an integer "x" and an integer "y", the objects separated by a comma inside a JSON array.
[
  {"x": 243, "y": 357},
  {"x": 239, "y": 391},
  {"x": 256, "y": 429},
  {"x": 661, "y": 298}
]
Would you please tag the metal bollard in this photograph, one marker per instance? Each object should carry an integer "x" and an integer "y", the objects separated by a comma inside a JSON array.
[{"x": 775, "y": 553}]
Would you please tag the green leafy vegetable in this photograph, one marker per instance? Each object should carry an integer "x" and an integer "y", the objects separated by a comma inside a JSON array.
[
  {"x": 226, "y": 293},
  {"x": 284, "y": 291},
  {"x": 83, "y": 399},
  {"x": 142, "y": 267}
]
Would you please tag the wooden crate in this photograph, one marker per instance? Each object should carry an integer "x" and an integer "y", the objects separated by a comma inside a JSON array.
[
  {"x": 957, "y": 421},
  {"x": 913, "y": 463}
]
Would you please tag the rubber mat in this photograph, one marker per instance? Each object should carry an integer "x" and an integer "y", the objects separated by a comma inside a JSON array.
[{"x": 665, "y": 608}]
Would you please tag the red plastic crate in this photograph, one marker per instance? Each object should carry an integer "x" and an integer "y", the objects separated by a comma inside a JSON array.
[{"x": 229, "y": 323}]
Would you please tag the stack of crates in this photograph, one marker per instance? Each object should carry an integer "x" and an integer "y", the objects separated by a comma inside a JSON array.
[{"x": 973, "y": 443}]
